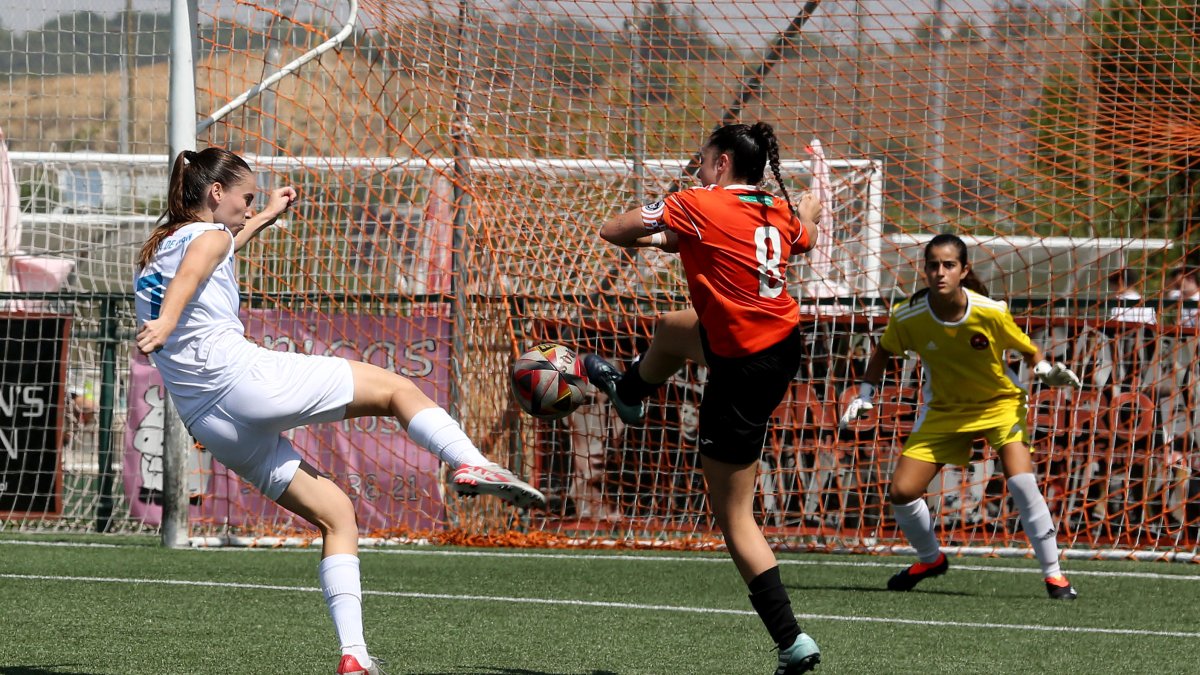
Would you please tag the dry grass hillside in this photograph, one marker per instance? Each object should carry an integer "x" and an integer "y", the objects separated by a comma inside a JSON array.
[
  {"x": 72, "y": 113},
  {"x": 345, "y": 105}
]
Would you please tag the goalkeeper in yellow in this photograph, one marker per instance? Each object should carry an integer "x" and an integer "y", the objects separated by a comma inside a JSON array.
[{"x": 961, "y": 336}]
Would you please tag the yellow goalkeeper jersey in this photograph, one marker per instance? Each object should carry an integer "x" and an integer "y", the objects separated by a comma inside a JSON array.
[{"x": 968, "y": 386}]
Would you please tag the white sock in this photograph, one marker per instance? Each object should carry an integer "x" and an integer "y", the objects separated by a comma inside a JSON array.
[
  {"x": 339, "y": 578},
  {"x": 436, "y": 431},
  {"x": 916, "y": 524},
  {"x": 1036, "y": 521}
]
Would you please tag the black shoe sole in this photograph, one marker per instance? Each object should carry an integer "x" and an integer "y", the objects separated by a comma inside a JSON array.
[{"x": 1063, "y": 595}]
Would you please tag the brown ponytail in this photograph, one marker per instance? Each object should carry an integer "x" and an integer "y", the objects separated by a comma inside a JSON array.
[
  {"x": 191, "y": 176},
  {"x": 974, "y": 283}
]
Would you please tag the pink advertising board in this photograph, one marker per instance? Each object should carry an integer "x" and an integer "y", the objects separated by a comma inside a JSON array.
[{"x": 394, "y": 483}]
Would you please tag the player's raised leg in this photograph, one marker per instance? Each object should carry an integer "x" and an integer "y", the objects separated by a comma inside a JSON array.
[
  {"x": 382, "y": 392},
  {"x": 676, "y": 341}
]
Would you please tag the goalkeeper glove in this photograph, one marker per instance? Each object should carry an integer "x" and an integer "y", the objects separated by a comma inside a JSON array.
[
  {"x": 860, "y": 405},
  {"x": 1056, "y": 375}
]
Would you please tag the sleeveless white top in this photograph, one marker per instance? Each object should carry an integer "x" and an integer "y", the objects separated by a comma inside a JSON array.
[{"x": 208, "y": 352}]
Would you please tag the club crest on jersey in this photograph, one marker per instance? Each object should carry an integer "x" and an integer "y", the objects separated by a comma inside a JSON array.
[{"x": 979, "y": 341}]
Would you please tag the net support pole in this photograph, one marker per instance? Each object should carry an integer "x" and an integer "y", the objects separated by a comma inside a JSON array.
[
  {"x": 639, "y": 85},
  {"x": 461, "y": 139},
  {"x": 937, "y": 119},
  {"x": 181, "y": 131},
  {"x": 108, "y": 369},
  {"x": 874, "y": 235}
]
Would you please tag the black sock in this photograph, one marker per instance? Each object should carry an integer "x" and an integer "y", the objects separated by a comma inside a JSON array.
[
  {"x": 770, "y": 600},
  {"x": 632, "y": 388}
]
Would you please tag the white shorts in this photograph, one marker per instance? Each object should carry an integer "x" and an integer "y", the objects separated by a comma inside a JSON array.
[{"x": 244, "y": 429}]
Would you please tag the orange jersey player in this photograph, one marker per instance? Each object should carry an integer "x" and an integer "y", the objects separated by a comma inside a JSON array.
[{"x": 734, "y": 240}]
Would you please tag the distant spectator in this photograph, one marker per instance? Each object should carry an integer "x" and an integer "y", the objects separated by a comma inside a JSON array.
[
  {"x": 1128, "y": 308},
  {"x": 1183, "y": 286},
  {"x": 81, "y": 412},
  {"x": 372, "y": 237},
  {"x": 78, "y": 433}
]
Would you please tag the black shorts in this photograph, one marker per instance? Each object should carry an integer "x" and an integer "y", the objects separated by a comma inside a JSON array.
[{"x": 740, "y": 395}]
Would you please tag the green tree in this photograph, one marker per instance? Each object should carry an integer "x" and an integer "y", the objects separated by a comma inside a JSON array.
[
  {"x": 1105, "y": 134},
  {"x": 83, "y": 42}
]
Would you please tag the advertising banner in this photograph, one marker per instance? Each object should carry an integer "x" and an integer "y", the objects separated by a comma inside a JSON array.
[
  {"x": 32, "y": 383},
  {"x": 393, "y": 482}
]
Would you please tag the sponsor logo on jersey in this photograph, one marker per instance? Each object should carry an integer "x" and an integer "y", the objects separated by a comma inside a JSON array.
[{"x": 766, "y": 200}]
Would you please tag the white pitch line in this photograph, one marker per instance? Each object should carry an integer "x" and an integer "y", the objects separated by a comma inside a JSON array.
[
  {"x": 1032, "y": 569},
  {"x": 67, "y": 544},
  {"x": 609, "y": 605},
  {"x": 784, "y": 562}
]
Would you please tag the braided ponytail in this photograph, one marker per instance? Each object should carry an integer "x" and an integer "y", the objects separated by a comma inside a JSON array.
[
  {"x": 751, "y": 148},
  {"x": 765, "y": 134}
]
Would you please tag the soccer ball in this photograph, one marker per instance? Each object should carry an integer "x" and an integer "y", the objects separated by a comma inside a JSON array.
[{"x": 549, "y": 381}]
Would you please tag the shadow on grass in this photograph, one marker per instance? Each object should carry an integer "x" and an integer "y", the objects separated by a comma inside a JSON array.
[
  {"x": 40, "y": 670},
  {"x": 515, "y": 671},
  {"x": 874, "y": 589}
]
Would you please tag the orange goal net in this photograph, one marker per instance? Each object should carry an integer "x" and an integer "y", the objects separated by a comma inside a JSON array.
[{"x": 455, "y": 160}]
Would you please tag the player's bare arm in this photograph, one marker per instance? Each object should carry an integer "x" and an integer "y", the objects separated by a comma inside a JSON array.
[
  {"x": 808, "y": 211},
  {"x": 629, "y": 230},
  {"x": 277, "y": 203},
  {"x": 865, "y": 400},
  {"x": 203, "y": 255},
  {"x": 876, "y": 366},
  {"x": 666, "y": 240},
  {"x": 1034, "y": 358},
  {"x": 625, "y": 229}
]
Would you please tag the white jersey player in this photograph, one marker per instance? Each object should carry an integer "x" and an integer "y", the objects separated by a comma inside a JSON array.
[
  {"x": 208, "y": 324},
  {"x": 237, "y": 398}
]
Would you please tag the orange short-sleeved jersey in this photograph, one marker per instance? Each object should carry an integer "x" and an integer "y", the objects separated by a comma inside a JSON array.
[{"x": 735, "y": 242}]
